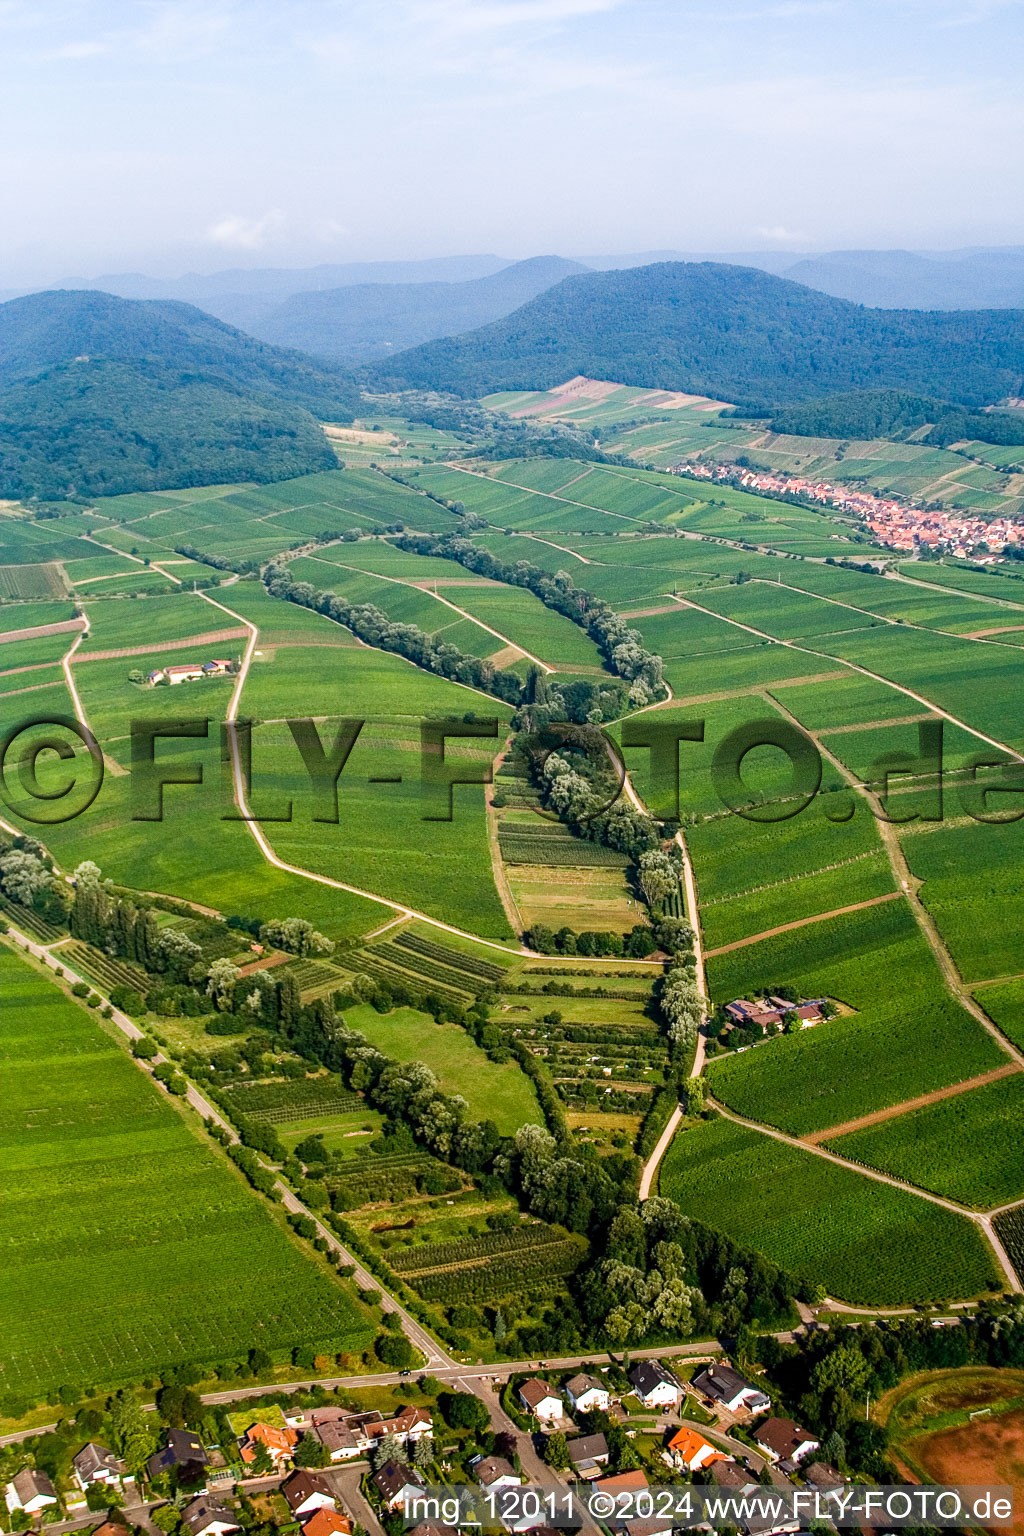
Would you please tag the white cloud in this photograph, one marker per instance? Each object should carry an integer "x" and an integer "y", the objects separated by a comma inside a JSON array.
[{"x": 234, "y": 232}]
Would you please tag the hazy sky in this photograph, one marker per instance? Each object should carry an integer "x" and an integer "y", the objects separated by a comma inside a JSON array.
[{"x": 168, "y": 134}]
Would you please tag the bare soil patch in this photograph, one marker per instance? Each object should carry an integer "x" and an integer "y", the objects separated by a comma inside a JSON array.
[{"x": 988, "y": 1451}]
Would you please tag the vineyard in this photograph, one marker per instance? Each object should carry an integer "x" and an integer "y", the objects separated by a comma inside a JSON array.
[
  {"x": 371, "y": 1179},
  {"x": 29, "y": 921},
  {"x": 31, "y": 582},
  {"x": 309, "y": 1098},
  {"x": 548, "y": 843},
  {"x": 491, "y": 1266},
  {"x": 1010, "y": 1228},
  {"x": 105, "y": 970}
]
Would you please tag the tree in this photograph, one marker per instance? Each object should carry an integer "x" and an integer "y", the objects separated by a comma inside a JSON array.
[
  {"x": 220, "y": 982},
  {"x": 423, "y": 1452},
  {"x": 166, "y": 1519},
  {"x": 388, "y": 1448},
  {"x": 463, "y": 1410},
  {"x": 262, "y": 1463},
  {"x": 311, "y": 1452},
  {"x": 395, "y": 1350},
  {"x": 178, "y": 1406},
  {"x": 556, "y": 1452}
]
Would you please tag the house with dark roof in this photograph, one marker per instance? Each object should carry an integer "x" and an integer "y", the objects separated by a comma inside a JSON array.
[
  {"x": 208, "y": 1517},
  {"x": 495, "y": 1472},
  {"x": 540, "y": 1398},
  {"x": 338, "y": 1440},
  {"x": 824, "y": 1477},
  {"x": 588, "y": 1454},
  {"x": 95, "y": 1464},
  {"x": 395, "y": 1482},
  {"x": 655, "y": 1385},
  {"x": 181, "y": 1448},
  {"x": 304, "y": 1492},
  {"x": 31, "y": 1491},
  {"x": 784, "y": 1441},
  {"x": 723, "y": 1385},
  {"x": 586, "y": 1393}
]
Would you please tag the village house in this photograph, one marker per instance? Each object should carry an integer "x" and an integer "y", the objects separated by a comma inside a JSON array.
[
  {"x": 689, "y": 1451},
  {"x": 495, "y": 1472},
  {"x": 623, "y": 1482},
  {"x": 588, "y": 1455},
  {"x": 206, "y": 1517},
  {"x": 822, "y": 1476},
  {"x": 181, "y": 1448},
  {"x": 327, "y": 1522},
  {"x": 784, "y": 1441},
  {"x": 586, "y": 1393},
  {"x": 278, "y": 1443},
  {"x": 727, "y": 1387},
  {"x": 395, "y": 1482},
  {"x": 31, "y": 1491},
  {"x": 337, "y": 1440},
  {"x": 655, "y": 1385},
  {"x": 539, "y": 1398},
  {"x": 768, "y": 1013},
  {"x": 95, "y": 1464},
  {"x": 305, "y": 1492}
]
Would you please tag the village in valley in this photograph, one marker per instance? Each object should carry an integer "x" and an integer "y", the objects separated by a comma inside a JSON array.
[{"x": 892, "y": 521}]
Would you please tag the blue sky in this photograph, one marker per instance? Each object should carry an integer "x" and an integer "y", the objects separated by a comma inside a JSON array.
[{"x": 168, "y": 134}]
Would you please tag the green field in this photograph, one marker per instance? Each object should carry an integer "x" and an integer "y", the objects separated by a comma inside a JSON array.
[
  {"x": 822, "y": 1222},
  {"x": 906, "y": 1037},
  {"x": 113, "y": 1199},
  {"x": 970, "y": 1148},
  {"x": 503, "y": 1094}
]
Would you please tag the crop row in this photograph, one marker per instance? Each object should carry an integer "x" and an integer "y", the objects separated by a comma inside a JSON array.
[
  {"x": 434, "y": 970},
  {"x": 452, "y": 957},
  {"x": 105, "y": 970},
  {"x": 30, "y": 921},
  {"x": 504, "y": 1274},
  {"x": 464, "y": 1249},
  {"x": 380, "y": 969},
  {"x": 295, "y": 1098},
  {"x": 560, "y": 853}
]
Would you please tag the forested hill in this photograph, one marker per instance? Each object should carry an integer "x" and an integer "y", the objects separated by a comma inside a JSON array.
[
  {"x": 45, "y": 329},
  {"x": 369, "y": 320},
  {"x": 100, "y": 395},
  {"x": 733, "y": 333}
]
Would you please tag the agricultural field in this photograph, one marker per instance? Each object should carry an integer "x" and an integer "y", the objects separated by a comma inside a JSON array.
[
  {"x": 904, "y": 1035},
  {"x": 973, "y": 878},
  {"x": 823, "y": 1222},
  {"x": 499, "y": 1093},
  {"x": 197, "y": 1276},
  {"x": 969, "y": 1147}
]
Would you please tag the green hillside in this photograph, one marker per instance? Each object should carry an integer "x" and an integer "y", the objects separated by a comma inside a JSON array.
[{"x": 733, "y": 333}]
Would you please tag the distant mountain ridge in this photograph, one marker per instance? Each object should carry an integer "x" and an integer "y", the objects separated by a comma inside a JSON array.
[
  {"x": 100, "y": 395},
  {"x": 733, "y": 333},
  {"x": 368, "y": 320}
]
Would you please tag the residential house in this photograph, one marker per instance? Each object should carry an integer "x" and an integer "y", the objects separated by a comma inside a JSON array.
[
  {"x": 725, "y": 1386},
  {"x": 327, "y": 1522},
  {"x": 31, "y": 1491},
  {"x": 540, "y": 1398},
  {"x": 278, "y": 1443},
  {"x": 784, "y": 1441},
  {"x": 655, "y": 1385},
  {"x": 305, "y": 1492},
  {"x": 824, "y": 1477},
  {"x": 337, "y": 1440},
  {"x": 396, "y": 1482},
  {"x": 181, "y": 1448},
  {"x": 95, "y": 1464},
  {"x": 622, "y": 1482},
  {"x": 495, "y": 1472},
  {"x": 689, "y": 1451},
  {"x": 588, "y": 1455},
  {"x": 207, "y": 1517},
  {"x": 586, "y": 1393},
  {"x": 732, "y": 1477},
  {"x": 410, "y": 1425}
]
